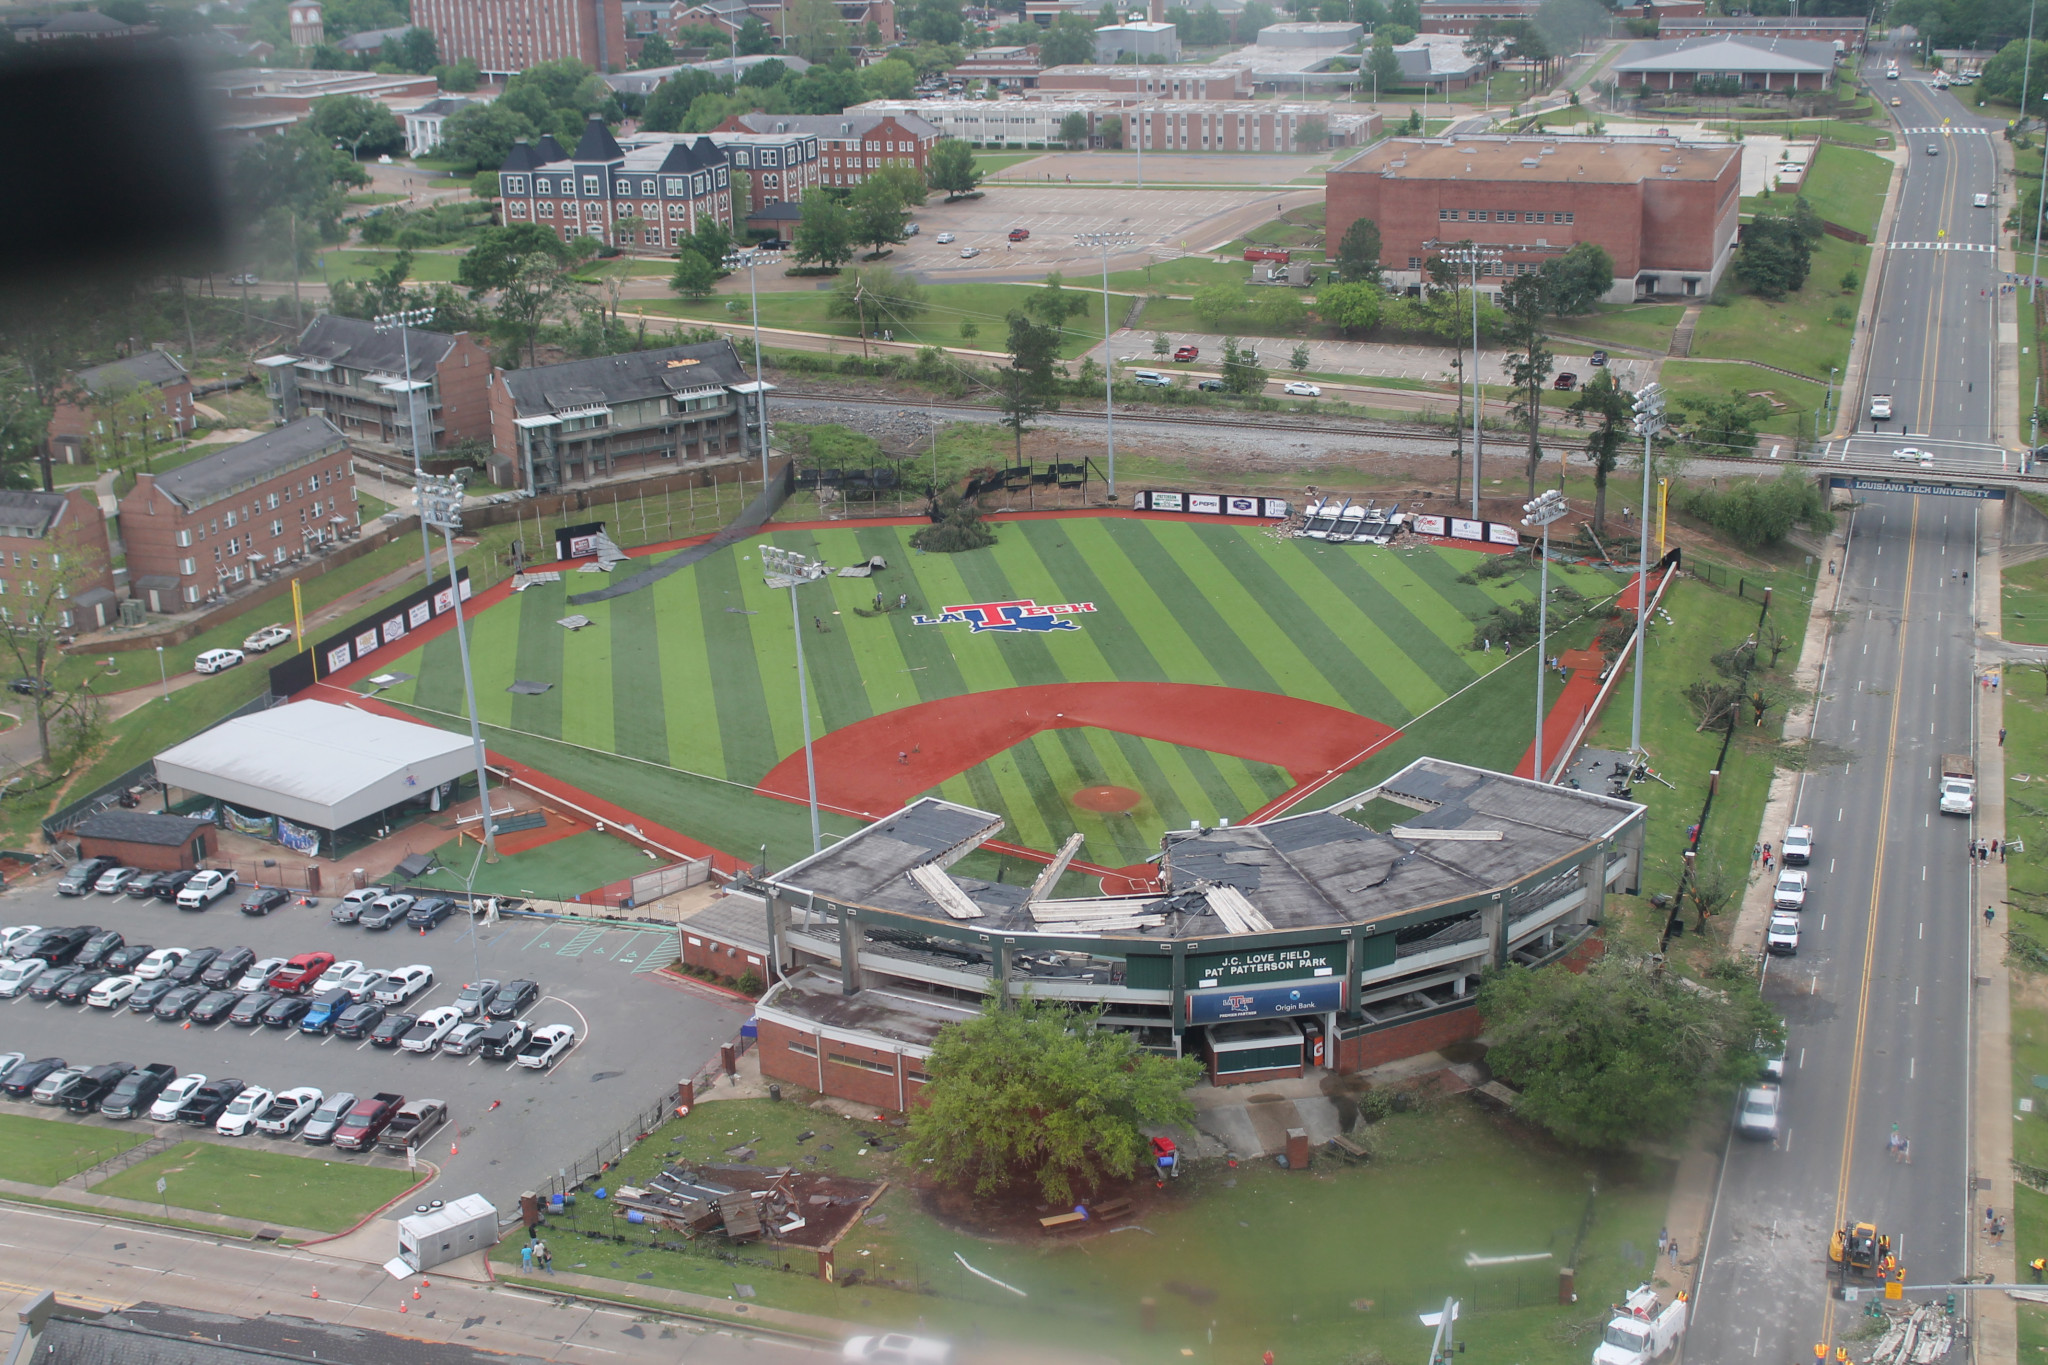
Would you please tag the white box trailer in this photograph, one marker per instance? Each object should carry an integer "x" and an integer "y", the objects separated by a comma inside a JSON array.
[{"x": 457, "y": 1228}]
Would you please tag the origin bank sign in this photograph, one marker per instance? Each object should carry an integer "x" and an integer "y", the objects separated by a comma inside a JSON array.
[{"x": 1008, "y": 616}]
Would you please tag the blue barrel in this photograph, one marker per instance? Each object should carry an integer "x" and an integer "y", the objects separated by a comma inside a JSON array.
[{"x": 635, "y": 1216}]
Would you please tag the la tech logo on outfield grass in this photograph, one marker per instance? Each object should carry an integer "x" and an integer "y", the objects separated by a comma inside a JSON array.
[{"x": 1011, "y": 616}]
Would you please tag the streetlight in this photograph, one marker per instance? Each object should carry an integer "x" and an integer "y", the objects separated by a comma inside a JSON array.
[
  {"x": 1828, "y": 403},
  {"x": 1540, "y": 511},
  {"x": 2034, "y": 271},
  {"x": 1104, "y": 241},
  {"x": 734, "y": 261},
  {"x": 440, "y": 502},
  {"x": 402, "y": 322},
  {"x": 788, "y": 569},
  {"x": 162, "y": 676},
  {"x": 1479, "y": 259},
  {"x": 1649, "y": 420}
]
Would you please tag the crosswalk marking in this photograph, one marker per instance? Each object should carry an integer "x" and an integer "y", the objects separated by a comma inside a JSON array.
[
  {"x": 1924, "y": 132},
  {"x": 576, "y": 946},
  {"x": 1942, "y": 246},
  {"x": 668, "y": 950}
]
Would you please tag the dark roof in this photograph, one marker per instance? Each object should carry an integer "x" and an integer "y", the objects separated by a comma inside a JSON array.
[
  {"x": 163, "y": 1335},
  {"x": 24, "y": 513},
  {"x": 84, "y": 21},
  {"x": 520, "y": 158},
  {"x": 149, "y": 367},
  {"x": 213, "y": 477},
  {"x": 623, "y": 378},
  {"x": 357, "y": 345},
  {"x": 598, "y": 143},
  {"x": 547, "y": 149},
  {"x": 696, "y": 156},
  {"x": 371, "y": 40},
  {"x": 141, "y": 827},
  {"x": 445, "y": 104}
]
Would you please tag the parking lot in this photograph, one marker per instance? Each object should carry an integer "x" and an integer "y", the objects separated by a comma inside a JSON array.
[{"x": 638, "y": 1033}]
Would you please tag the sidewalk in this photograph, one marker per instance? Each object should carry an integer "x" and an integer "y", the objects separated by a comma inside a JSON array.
[{"x": 1994, "y": 1319}]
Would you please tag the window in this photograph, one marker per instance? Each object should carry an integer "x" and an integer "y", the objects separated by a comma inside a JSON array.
[
  {"x": 1447, "y": 215},
  {"x": 276, "y": 528},
  {"x": 622, "y": 188},
  {"x": 1562, "y": 218},
  {"x": 1477, "y": 215},
  {"x": 802, "y": 1049},
  {"x": 590, "y": 186},
  {"x": 863, "y": 1063},
  {"x": 184, "y": 539},
  {"x": 673, "y": 185},
  {"x": 230, "y": 519},
  {"x": 186, "y": 566},
  {"x": 519, "y": 208},
  {"x": 273, "y": 502},
  {"x": 515, "y": 184},
  {"x": 547, "y": 208},
  {"x": 769, "y": 180},
  {"x": 234, "y": 545},
  {"x": 647, "y": 187},
  {"x": 650, "y": 209},
  {"x": 676, "y": 210},
  {"x": 1415, "y": 263},
  {"x": 192, "y": 593},
  {"x": 35, "y": 561}
]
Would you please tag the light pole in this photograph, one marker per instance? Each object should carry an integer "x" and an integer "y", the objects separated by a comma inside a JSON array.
[
  {"x": 441, "y": 506},
  {"x": 1649, "y": 420},
  {"x": 788, "y": 569},
  {"x": 2034, "y": 270},
  {"x": 162, "y": 676},
  {"x": 749, "y": 258},
  {"x": 1478, "y": 259},
  {"x": 402, "y": 322},
  {"x": 1540, "y": 511},
  {"x": 1104, "y": 241}
]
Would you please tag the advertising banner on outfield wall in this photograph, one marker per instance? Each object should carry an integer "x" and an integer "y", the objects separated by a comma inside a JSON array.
[
  {"x": 1266, "y": 1002},
  {"x": 577, "y": 542},
  {"x": 366, "y": 637},
  {"x": 1464, "y": 528},
  {"x": 1212, "y": 504}
]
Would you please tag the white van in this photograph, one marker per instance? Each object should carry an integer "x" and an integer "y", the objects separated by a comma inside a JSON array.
[
  {"x": 1152, "y": 379},
  {"x": 215, "y": 660}
]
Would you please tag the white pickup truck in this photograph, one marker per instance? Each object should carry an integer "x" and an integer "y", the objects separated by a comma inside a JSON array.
[
  {"x": 1641, "y": 1329},
  {"x": 1958, "y": 785},
  {"x": 1880, "y": 407}
]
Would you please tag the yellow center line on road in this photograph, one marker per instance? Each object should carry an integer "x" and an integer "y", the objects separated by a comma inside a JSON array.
[
  {"x": 1930, "y": 351},
  {"x": 1884, "y": 813}
]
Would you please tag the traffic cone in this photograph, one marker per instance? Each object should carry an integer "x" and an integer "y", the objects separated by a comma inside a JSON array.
[
  {"x": 316, "y": 1291},
  {"x": 453, "y": 1150},
  {"x": 186, "y": 1024},
  {"x": 426, "y": 1284},
  {"x": 401, "y": 1305},
  {"x": 415, "y": 1293}
]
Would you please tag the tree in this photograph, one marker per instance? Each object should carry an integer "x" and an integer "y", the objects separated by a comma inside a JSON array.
[
  {"x": 459, "y": 78},
  {"x": 526, "y": 266},
  {"x": 1161, "y": 347},
  {"x": 936, "y": 21},
  {"x": 1111, "y": 131},
  {"x": 875, "y": 297},
  {"x": 1358, "y": 253},
  {"x": 1609, "y": 407},
  {"x": 1724, "y": 426},
  {"x": 1069, "y": 42},
  {"x": 1216, "y": 303},
  {"x": 1777, "y": 250},
  {"x": 1279, "y": 309},
  {"x": 814, "y": 31},
  {"x": 713, "y": 242},
  {"x": 957, "y": 527},
  {"x": 888, "y": 79},
  {"x": 1297, "y": 360},
  {"x": 1026, "y": 384},
  {"x": 1031, "y": 1092},
  {"x": 2002, "y": 75},
  {"x": 655, "y": 51},
  {"x": 755, "y": 37},
  {"x": 383, "y": 292},
  {"x": 286, "y": 192},
  {"x": 902, "y": 181},
  {"x": 1242, "y": 373},
  {"x": 367, "y": 127},
  {"x": 34, "y": 626},
  {"x": 1256, "y": 15},
  {"x": 1577, "y": 280},
  {"x": 877, "y": 212},
  {"x": 1310, "y": 134},
  {"x": 483, "y": 134},
  {"x": 824, "y": 235},
  {"x": 130, "y": 12},
  {"x": 1074, "y": 130},
  {"x": 414, "y": 51},
  {"x": 950, "y": 167},
  {"x": 1353, "y": 308},
  {"x": 1624, "y": 1051},
  {"x": 693, "y": 278},
  {"x": 1055, "y": 303},
  {"x": 1385, "y": 63},
  {"x": 1484, "y": 44},
  {"x": 1525, "y": 301}
]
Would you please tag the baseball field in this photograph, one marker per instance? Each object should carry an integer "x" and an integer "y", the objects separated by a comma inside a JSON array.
[{"x": 1111, "y": 675}]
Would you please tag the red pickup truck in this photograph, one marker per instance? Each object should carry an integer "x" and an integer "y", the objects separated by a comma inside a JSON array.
[
  {"x": 1265, "y": 253},
  {"x": 364, "y": 1124}
]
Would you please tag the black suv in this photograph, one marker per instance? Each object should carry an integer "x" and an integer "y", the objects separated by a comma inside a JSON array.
[
  {"x": 170, "y": 884},
  {"x": 512, "y": 997},
  {"x": 137, "y": 1091},
  {"x": 355, "y": 1021},
  {"x": 82, "y": 1093},
  {"x": 209, "y": 1102},
  {"x": 227, "y": 968}
]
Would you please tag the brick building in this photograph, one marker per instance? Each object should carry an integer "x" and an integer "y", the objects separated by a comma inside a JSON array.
[
  {"x": 1766, "y": 65},
  {"x": 1178, "y": 83},
  {"x": 1462, "y": 16},
  {"x": 145, "y": 839},
  {"x": 194, "y": 532},
  {"x": 77, "y": 424},
  {"x": 1013, "y": 67},
  {"x": 554, "y": 425},
  {"x": 1665, "y": 211},
  {"x": 779, "y": 166},
  {"x": 37, "y": 532},
  {"x": 850, "y": 144},
  {"x": 504, "y": 37},
  {"x": 668, "y": 182},
  {"x": 355, "y": 376},
  {"x": 1849, "y": 31},
  {"x": 308, "y": 23}
]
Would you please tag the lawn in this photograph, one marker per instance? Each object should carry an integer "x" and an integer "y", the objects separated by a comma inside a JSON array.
[
  {"x": 1383, "y": 633},
  {"x": 1800, "y": 332},
  {"x": 1238, "y": 1259},
  {"x": 2025, "y": 615},
  {"x": 947, "y": 306},
  {"x": 1848, "y": 187},
  {"x": 242, "y": 1182},
  {"x": 2026, "y": 820},
  {"x": 48, "y": 1151},
  {"x": 1648, "y": 325},
  {"x": 560, "y": 870},
  {"x": 359, "y": 263},
  {"x": 1183, "y": 274},
  {"x": 990, "y": 162},
  {"x": 1792, "y": 422}
]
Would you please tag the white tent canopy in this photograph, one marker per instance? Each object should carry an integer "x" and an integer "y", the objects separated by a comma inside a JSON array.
[{"x": 315, "y": 763}]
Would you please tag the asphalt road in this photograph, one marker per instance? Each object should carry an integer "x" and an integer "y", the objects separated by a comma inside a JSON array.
[{"x": 1878, "y": 999}]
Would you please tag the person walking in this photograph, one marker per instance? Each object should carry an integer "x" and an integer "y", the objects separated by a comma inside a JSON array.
[
  {"x": 1989, "y": 915},
  {"x": 526, "y": 1258},
  {"x": 544, "y": 1256}
]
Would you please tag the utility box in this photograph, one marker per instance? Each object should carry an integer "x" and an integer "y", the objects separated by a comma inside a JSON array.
[{"x": 459, "y": 1227}]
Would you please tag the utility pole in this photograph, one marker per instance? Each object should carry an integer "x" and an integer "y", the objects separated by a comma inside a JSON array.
[
  {"x": 1539, "y": 512},
  {"x": 1649, "y": 420}
]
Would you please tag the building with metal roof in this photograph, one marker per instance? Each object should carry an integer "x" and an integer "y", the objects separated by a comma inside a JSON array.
[{"x": 1753, "y": 63}]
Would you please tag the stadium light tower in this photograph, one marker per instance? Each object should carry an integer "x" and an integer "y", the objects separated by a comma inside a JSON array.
[
  {"x": 441, "y": 507},
  {"x": 1539, "y": 512},
  {"x": 402, "y": 322},
  {"x": 788, "y": 569},
  {"x": 749, "y": 258},
  {"x": 1487, "y": 260},
  {"x": 1103, "y": 241},
  {"x": 1649, "y": 420}
]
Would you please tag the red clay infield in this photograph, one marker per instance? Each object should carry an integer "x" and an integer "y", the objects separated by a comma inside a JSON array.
[{"x": 876, "y": 765}]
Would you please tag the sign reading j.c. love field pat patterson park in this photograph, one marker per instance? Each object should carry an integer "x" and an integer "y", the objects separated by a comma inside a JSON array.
[{"x": 1265, "y": 964}]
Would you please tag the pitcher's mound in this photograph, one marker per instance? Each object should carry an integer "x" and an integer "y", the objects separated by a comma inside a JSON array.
[{"x": 1108, "y": 800}]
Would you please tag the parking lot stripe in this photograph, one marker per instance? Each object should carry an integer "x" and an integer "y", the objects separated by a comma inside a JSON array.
[
  {"x": 545, "y": 929},
  {"x": 661, "y": 954},
  {"x": 576, "y": 946}
]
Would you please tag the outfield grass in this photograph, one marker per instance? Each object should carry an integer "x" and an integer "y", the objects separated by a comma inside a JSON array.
[
  {"x": 1628, "y": 324},
  {"x": 1799, "y": 332},
  {"x": 46, "y": 1151},
  {"x": 988, "y": 306},
  {"x": 559, "y": 871},
  {"x": 243, "y": 1182},
  {"x": 1223, "y": 1250},
  {"x": 1384, "y": 633}
]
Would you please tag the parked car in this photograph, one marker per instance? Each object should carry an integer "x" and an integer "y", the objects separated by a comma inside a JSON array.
[
  {"x": 243, "y": 1111},
  {"x": 413, "y": 1124},
  {"x": 337, "y": 974},
  {"x": 17, "y": 975},
  {"x": 361, "y": 981},
  {"x": 264, "y": 899},
  {"x": 214, "y": 1006},
  {"x": 1565, "y": 382},
  {"x": 46, "y": 1089},
  {"x": 513, "y": 998},
  {"x": 357, "y": 1020},
  {"x": 217, "y": 660},
  {"x": 82, "y": 1095},
  {"x": 16, "y": 934},
  {"x": 145, "y": 996},
  {"x": 471, "y": 999},
  {"x": 192, "y": 966},
  {"x": 385, "y": 911},
  {"x": 944, "y": 239},
  {"x": 1758, "y": 1117},
  {"x": 290, "y": 1111},
  {"x": 209, "y": 1101},
  {"x": 968, "y": 253},
  {"x": 366, "y": 1121},
  {"x": 127, "y": 957},
  {"x": 1187, "y": 353},
  {"x": 1790, "y": 892},
  {"x": 547, "y": 1045},
  {"x": 1598, "y": 358},
  {"x": 144, "y": 885},
  {"x": 391, "y": 1029},
  {"x": 9, "y": 1061},
  {"x": 463, "y": 1039},
  {"x": 1209, "y": 385},
  {"x": 267, "y": 639},
  {"x": 429, "y": 911},
  {"x": 164, "y": 1108},
  {"x": 177, "y": 1002},
  {"x": 24, "y": 1077},
  {"x": 401, "y": 984},
  {"x": 1782, "y": 936},
  {"x": 285, "y": 1012},
  {"x": 172, "y": 883},
  {"x": 159, "y": 963},
  {"x": 323, "y": 1008},
  {"x": 320, "y": 1126},
  {"x": 299, "y": 973},
  {"x": 1301, "y": 388},
  {"x": 1020, "y": 234},
  {"x": 897, "y": 1348},
  {"x": 80, "y": 984},
  {"x": 115, "y": 880},
  {"x": 350, "y": 907},
  {"x": 112, "y": 992},
  {"x": 504, "y": 1038},
  {"x": 59, "y": 947},
  {"x": 228, "y": 966},
  {"x": 430, "y": 1028},
  {"x": 96, "y": 948},
  {"x": 250, "y": 1007},
  {"x": 259, "y": 974},
  {"x": 78, "y": 878},
  {"x": 138, "y": 1091},
  {"x": 204, "y": 888},
  {"x": 47, "y": 983}
]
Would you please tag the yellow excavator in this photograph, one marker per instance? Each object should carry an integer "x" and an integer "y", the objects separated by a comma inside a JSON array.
[{"x": 1859, "y": 1249}]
